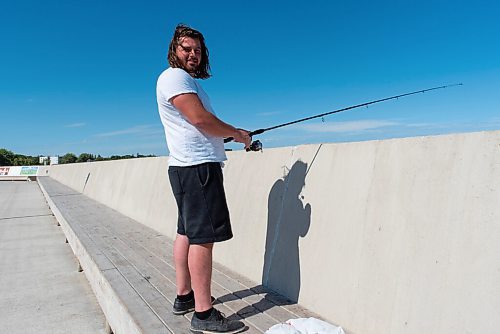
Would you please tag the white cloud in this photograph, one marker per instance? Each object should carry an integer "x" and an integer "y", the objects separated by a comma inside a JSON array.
[
  {"x": 140, "y": 129},
  {"x": 75, "y": 125},
  {"x": 494, "y": 120},
  {"x": 353, "y": 126},
  {"x": 420, "y": 125}
]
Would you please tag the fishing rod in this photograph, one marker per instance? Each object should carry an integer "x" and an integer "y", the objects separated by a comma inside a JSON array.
[{"x": 257, "y": 145}]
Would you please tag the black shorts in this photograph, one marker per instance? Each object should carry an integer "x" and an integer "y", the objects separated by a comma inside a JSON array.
[{"x": 200, "y": 197}]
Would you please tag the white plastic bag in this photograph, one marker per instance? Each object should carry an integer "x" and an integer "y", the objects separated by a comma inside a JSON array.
[
  {"x": 282, "y": 329},
  {"x": 305, "y": 326}
]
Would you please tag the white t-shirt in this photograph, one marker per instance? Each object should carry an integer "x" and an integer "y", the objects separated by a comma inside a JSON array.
[{"x": 187, "y": 145}]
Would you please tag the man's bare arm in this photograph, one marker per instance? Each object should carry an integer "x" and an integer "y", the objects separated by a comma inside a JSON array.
[{"x": 192, "y": 108}]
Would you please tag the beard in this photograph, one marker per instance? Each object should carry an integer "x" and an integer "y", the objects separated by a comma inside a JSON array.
[{"x": 192, "y": 66}]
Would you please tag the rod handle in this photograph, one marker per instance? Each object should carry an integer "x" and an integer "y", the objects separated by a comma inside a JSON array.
[{"x": 251, "y": 134}]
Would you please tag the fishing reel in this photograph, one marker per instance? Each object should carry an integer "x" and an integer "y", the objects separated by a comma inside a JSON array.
[{"x": 255, "y": 146}]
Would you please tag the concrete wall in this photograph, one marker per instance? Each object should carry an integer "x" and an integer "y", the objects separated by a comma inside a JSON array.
[{"x": 393, "y": 236}]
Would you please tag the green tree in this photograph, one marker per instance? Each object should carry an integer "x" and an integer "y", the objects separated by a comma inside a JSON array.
[
  {"x": 6, "y": 157},
  {"x": 9, "y": 158},
  {"x": 84, "y": 157},
  {"x": 24, "y": 160},
  {"x": 68, "y": 158}
]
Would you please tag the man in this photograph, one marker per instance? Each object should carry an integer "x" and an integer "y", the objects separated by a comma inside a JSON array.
[{"x": 195, "y": 139}]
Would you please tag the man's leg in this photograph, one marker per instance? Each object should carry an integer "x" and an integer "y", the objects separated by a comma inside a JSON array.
[
  {"x": 182, "y": 276},
  {"x": 206, "y": 318},
  {"x": 200, "y": 267}
]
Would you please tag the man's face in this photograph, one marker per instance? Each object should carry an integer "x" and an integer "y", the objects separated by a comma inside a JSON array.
[{"x": 189, "y": 53}]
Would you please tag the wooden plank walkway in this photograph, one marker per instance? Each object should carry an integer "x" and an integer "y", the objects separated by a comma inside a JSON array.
[{"x": 130, "y": 269}]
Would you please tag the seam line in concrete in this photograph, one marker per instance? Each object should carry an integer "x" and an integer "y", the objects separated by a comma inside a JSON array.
[
  {"x": 60, "y": 195},
  {"x": 18, "y": 217}
]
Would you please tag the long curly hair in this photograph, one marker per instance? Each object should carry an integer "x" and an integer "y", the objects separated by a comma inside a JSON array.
[{"x": 182, "y": 30}]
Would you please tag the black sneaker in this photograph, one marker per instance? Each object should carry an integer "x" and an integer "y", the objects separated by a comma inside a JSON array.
[
  {"x": 181, "y": 308},
  {"x": 216, "y": 323}
]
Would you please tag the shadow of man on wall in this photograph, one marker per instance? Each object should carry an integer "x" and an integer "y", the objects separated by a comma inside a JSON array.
[{"x": 288, "y": 219}]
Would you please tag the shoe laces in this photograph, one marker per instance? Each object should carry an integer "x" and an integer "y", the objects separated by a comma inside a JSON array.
[{"x": 220, "y": 316}]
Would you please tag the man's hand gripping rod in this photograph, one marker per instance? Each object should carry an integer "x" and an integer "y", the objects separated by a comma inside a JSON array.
[{"x": 257, "y": 145}]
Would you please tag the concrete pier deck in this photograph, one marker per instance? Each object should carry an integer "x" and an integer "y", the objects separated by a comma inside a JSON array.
[
  {"x": 41, "y": 290},
  {"x": 130, "y": 269}
]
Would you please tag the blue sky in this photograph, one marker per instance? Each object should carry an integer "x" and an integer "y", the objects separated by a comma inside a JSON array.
[{"x": 80, "y": 76}]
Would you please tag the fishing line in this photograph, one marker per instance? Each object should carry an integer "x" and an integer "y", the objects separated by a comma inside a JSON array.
[{"x": 257, "y": 145}]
